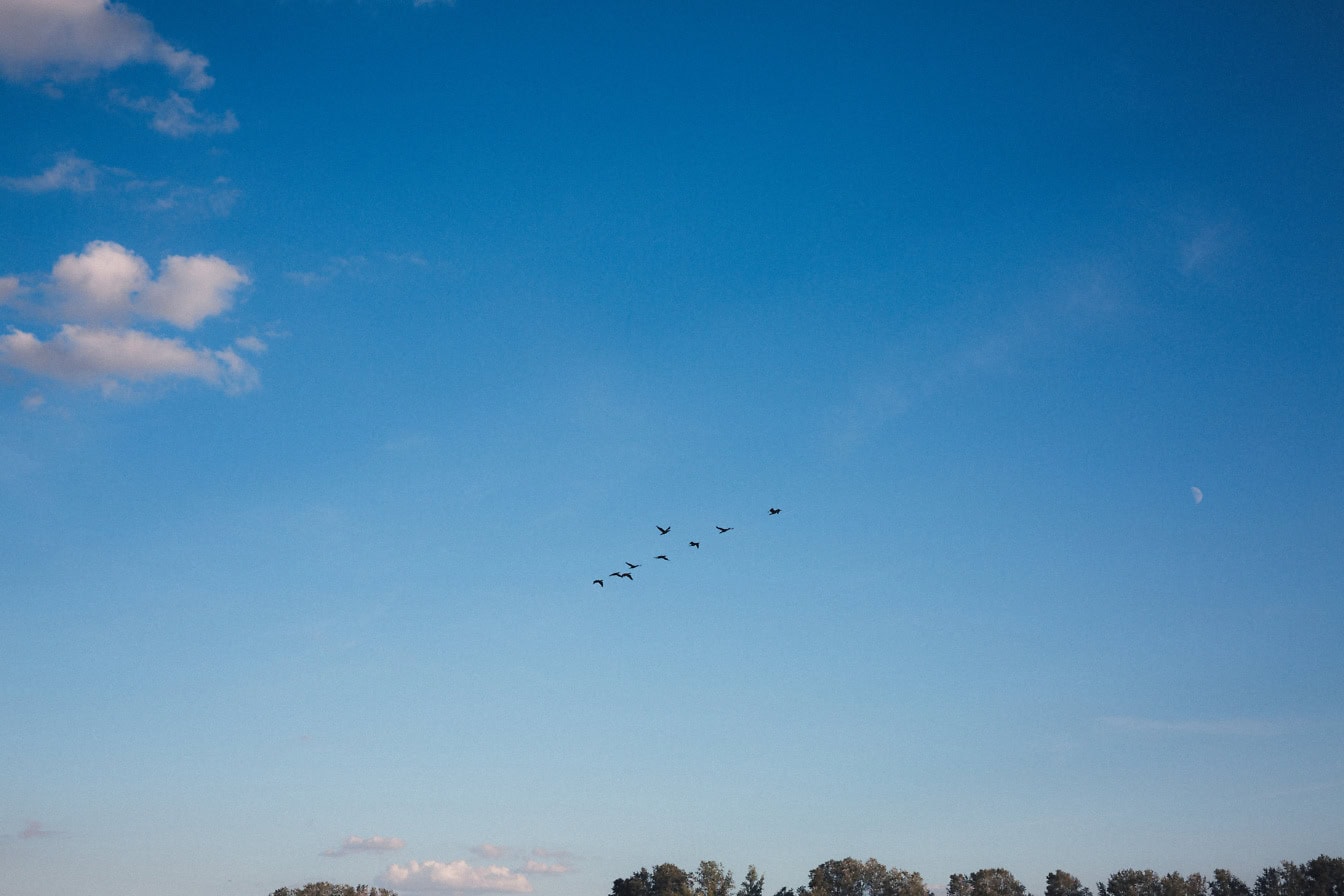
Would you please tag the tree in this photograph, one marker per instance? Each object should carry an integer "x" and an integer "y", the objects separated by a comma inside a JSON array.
[
  {"x": 1131, "y": 882},
  {"x": 1287, "y": 879},
  {"x": 664, "y": 880},
  {"x": 1324, "y": 876},
  {"x": 850, "y": 877},
  {"x": 986, "y": 882},
  {"x": 1193, "y": 885},
  {"x": 712, "y": 879},
  {"x": 1062, "y": 883},
  {"x": 1225, "y": 883},
  {"x": 326, "y": 888},
  {"x": 753, "y": 884}
]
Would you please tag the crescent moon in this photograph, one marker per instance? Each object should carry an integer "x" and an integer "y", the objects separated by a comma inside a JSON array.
[{"x": 1196, "y": 493}]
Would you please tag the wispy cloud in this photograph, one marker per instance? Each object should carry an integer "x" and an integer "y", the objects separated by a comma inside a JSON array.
[
  {"x": 913, "y": 375},
  {"x": 458, "y": 876},
  {"x": 69, "y": 172},
  {"x": 35, "y": 830},
  {"x": 74, "y": 40},
  {"x": 535, "y": 867},
  {"x": 355, "y": 845},
  {"x": 1224, "y": 727},
  {"x": 101, "y": 295},
  {"x": 73, "y": 174},
  {"x": 176, "y": 115},
  {"x": 490, "y": 850}
]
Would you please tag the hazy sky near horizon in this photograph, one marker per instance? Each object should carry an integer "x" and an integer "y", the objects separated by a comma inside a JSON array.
[{"x": 344, "y": 344}]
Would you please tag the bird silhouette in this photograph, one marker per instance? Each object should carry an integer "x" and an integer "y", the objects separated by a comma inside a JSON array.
[
  {"x": 694, "y": 544},
  {"x": 599, "y": 583},
  {"x": 723, "y": 530},
  {"x": 626, "y": 575},
  {"x": 661, "y": 530},
  {"x": 661, "y": 557},
  {"x": 632, "y": 565},
  {"x": 774, "y": 510}
]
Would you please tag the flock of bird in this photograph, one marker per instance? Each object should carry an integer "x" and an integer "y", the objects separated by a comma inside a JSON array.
[{"x": 662, "y": 530}]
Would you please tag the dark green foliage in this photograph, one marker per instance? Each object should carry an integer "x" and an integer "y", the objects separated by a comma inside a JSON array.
[
  {"x": 664, "y": 880},
  {"x": 850, "y": 877},
  {"x": 1131, "y": 882},
  {"x": 1225, "y": 883},
  {"x": 986, "y": 882},
  {"x": 325, "y": 888},
  {"x": 1062, "y": 883},
  {"x": 1322, "y": 876}
]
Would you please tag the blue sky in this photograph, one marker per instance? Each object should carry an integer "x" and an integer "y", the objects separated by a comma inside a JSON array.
[{"x": 346, "y": 343}]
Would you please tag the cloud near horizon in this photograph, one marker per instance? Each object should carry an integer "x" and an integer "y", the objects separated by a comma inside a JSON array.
[
  {"x": 75, "y": 40},
  {"x": 353, "y": 845},
  {"x": 97, "y": 294},
  {"x": 457, "y": 876}
]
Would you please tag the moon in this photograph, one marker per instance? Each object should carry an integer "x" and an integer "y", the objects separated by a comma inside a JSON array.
[{"x": 1196, "y": 493}]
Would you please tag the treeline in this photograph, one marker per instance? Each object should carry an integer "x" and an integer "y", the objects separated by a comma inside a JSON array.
[
  {"x": 1322, "y": 876},
  {"x": 325, "y": 888}
]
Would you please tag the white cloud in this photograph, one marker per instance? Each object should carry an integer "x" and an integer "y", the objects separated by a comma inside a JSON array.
[
  {"x": 69, "y": 172},
  {"x": 33, "y": 401},
  {"x": 250, "y": 344},
  {"x": 97, "y": 292},
  {"x": 176, "y": 115},
  {"x": 89, "y": 355},
  {"x": 376, "y": 843},
  {"x": 456, "y": 876},
  {"x": 535, "y": 867},
  {"x": 190, "y": 289},
  {"x": 73, "y": 40},
  {"x": 108, "y": 282},
  {"x": 490, "y": 850},
  {"x": 97, "y": 284}
]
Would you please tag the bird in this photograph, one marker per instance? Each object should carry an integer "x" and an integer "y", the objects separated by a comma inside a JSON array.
[
  {"x": 632, "y": 565},
  {"x": 599, "y": 583},
  {"x": 694, "y": 544},
  {"x": 609, "y": 575},
  {"x": 723, "y": 530},
  {"x": 626, "y": 575},
  {"x": 661, "y": 530},
  {"x": 774, "y": 510},
  {"x": 661, "y": 557}
]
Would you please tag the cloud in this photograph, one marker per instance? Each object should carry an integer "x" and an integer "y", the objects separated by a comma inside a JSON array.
[
  {"x": 73, "y": 174},
  {"x": 108, "y": 282},
  {"x": 69, "y": 172},
  {"x": 1224, "y": 727},
  {"x": 490, "y": 850},
  {"x": 35, "y": 831},
  {"x": 176, "y": 115},
  {"x": 97, "y": 293},
  {"x": 33, "y": 401},
  {"x": 354, "y": 845},
  {"x": 535, "y": 867},
  {"x": 456, "y": 877},
  {"x": 88, "y": 355},
  {"x": 75, "y": 40}
]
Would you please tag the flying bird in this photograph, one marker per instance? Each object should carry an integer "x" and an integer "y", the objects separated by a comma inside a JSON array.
[
  {"x": 774, "y": 510},
  {"x": 723, "y": 530},
  {"x": 599, "y": 583},
  {"x": 661, "y": 530},
  {"x": 626, "y": 575},
  {"x": 661, "y": 557},
  {"x": 694, "y": 544},
  {"x": 632, "y": 565}
]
